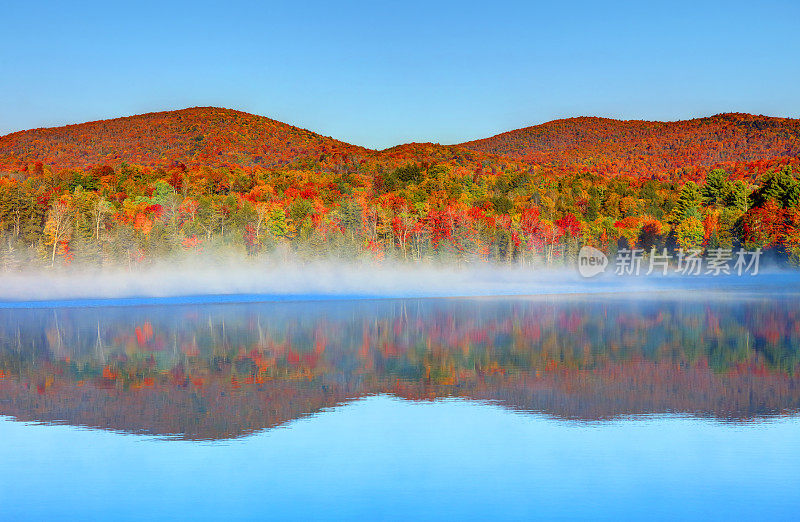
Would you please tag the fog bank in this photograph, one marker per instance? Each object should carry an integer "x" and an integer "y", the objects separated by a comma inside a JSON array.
[{"x": 328, "y": 279}]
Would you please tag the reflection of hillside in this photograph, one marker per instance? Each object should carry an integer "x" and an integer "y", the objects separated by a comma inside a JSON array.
[
  {"x": 213, "y": 411},
  {"x": 221, "y": 409},
  {"x": 224, "y": 371},
  {"x": 645, "y": 388}
]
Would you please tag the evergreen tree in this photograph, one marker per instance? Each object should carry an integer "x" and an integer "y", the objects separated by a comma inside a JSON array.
[
  {"x": 688, "y": 205},
  {"x": 780, "y": 186}
]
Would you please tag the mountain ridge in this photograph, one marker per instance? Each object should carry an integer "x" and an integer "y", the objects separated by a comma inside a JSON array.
[
  {"x": 634, "y": 146},
  {"x": 194, "y": 135},
  {"x": 215, "y": 136}
]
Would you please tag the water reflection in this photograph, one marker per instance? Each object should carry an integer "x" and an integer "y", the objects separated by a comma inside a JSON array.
[{"x": 222, "y": 371}]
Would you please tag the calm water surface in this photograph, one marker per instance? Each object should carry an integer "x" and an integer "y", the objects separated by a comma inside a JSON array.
[{"x": 550, "y": 407}]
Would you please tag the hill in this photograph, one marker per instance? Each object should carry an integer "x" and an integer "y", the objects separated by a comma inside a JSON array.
[
  {"x": 214, "y": 137},
  {"x": 206, "y": 136},
  {"x": 635, "y": 147},
  {"x": 450, "y": 155},
  {"x": 206, "y": 182}
]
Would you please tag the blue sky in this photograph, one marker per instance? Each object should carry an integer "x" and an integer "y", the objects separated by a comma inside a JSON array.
[{"x": 378, "y": 74}]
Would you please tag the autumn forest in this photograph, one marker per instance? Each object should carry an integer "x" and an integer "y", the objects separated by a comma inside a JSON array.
[{"x": 209, "y": 182}]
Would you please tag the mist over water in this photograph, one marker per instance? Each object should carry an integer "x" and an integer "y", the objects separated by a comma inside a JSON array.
[{"x": 332, "y": 279}]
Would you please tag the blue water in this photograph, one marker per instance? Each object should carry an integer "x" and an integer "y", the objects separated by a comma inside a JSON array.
[
  {"x": 569, "y": 407},
  {"x": 382, "y": 457}
]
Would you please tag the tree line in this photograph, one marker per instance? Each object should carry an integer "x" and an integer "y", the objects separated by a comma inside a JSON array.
[{"x": 413, "y": 211}]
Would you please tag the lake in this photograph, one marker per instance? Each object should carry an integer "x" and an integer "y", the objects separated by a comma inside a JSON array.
[{"x": 661, "y": 406}]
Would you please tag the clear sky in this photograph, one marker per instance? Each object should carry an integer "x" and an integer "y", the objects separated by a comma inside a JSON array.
[{"x": 382, "y": 73}]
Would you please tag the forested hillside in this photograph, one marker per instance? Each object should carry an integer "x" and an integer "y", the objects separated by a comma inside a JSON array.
[
  {"x": 209, "y": 181},
  {"x": 737, "y": 142},
  {"x": 198, "y": 136}
]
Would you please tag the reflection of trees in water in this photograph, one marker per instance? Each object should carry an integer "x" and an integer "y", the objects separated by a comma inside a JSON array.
[{"x": 224, "y": 370}]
